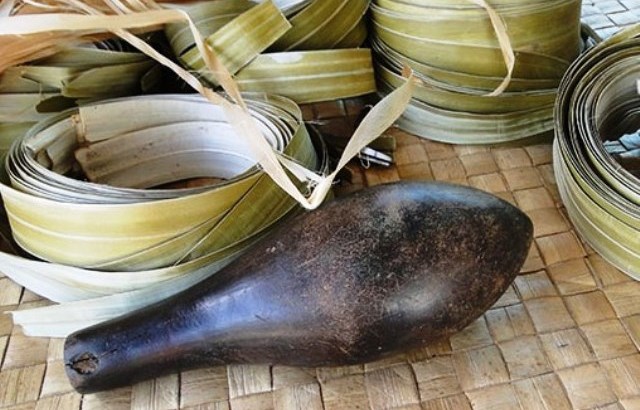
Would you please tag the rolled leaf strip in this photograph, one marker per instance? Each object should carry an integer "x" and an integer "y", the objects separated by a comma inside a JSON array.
[
  {"x": 107, "y": 293},
  {"x": 468, "y": 90},
  {"x": 597, "y": 149},
  {"x": 33, "y": 92},
  {"x": 470, "y": 101},
  {"x": 65, "y": 220},
  {"x": 544, "y": 33},
  {"x": 356, "y": 37},
  {"x": 459, "y": 127},
  {"x": 91, "y": 296},
  {"x": 241, "y": 28},
  {"x": 323, "y": 24},
  {"x": 311, "y": 76},
  {"x": 80, "y": 72},
  {"x": 241, "y": 40},
  {"x": 375, "y": 122},
  {"x": 273, "y": 164},
  {"x": 208, "y": 17},
  {"x": 211, "y": 16},
  {"x": 384, "y": 55}
]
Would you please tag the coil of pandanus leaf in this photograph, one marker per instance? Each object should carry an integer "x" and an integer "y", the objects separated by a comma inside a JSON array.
[
  {"x": 118, "y": 220},
  {"x": 597, "y": 148},
  {"x": 132, "y": 243},
  {"x": 468, "y": 92},
  {"x": 31, "y": 92},
  {"x": 161, "y": 245},
  {"x": 308, "y": 54}
]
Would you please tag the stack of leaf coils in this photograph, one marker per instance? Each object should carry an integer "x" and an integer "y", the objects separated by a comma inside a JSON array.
[
  {"x": 599, "y": 101},
  {"x": 308, "y": 53},
  {"x": 30, "y": 93},
  {"x": 125, "y": 238},
  {"x": 453, "y": 48}
]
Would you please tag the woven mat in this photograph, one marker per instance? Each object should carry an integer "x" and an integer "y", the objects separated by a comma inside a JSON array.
[{"x": 565, "y": 335}]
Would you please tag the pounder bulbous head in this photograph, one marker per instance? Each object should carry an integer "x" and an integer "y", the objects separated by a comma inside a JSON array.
[{"x": 383, "y": 270}]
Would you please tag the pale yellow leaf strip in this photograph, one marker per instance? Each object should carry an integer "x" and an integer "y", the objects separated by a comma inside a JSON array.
[
  {"x": 505, "y": 45},
  {"x": 374, "y": 124}
]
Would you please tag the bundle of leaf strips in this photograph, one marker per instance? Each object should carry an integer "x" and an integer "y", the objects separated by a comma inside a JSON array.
[
  {"x": 487, "y": 71},
  {"x": 132, "y": 244},
  {"x": 125, "y": 158},
  {"x": 78, "y": 75},
  {"x": 119, "y": 223},
  {"x": 597, "y": 149},
  {"x": 309, "y": 55}
]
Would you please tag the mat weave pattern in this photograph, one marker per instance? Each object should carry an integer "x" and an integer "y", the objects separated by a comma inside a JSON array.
[{"x": 565, "y": 335}]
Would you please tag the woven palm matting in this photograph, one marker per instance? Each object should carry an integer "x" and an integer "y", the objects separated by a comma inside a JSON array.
[{"x": 565, "y": 335}]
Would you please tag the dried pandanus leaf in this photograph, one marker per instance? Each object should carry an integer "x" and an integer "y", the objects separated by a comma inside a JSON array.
[
  {"x": 209, "y": 17},
  {"x": 324, "y": 24},
  {"x": 317, "y": 74},
  {"x": 470, "y": 101},
  {"x": 389, "y": 57},
  {"x": 461, "y": 127},
  {"x": 215, "y": 242},
  {"x": 546, "y": 35},
  {"x": 596, "y": 121},
  {"x": 9, "y": 132},
  {"x": 129, "y": 158},
  {"x": 39, "y": 190},
  {"x": 241, "y": 40},
  {"x": 32, "y": 92},
  {"x": 311, "y": 76},
  {"x": 488, "y": 71}
]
